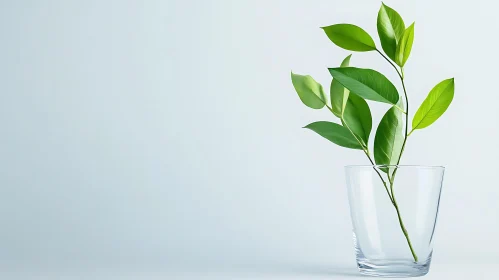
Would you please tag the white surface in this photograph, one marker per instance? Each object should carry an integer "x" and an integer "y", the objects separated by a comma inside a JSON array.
[
  {"x": 296, "y": 271},
  {"x": 168, "y": 133}
]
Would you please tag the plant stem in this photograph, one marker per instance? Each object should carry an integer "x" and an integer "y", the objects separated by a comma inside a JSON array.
[
  {"x": 381, "y": 177},
  {"x": 392, "y": 177},
  {"x": 404, "y": 230},
  {"x": 366, "y": 151},
  {"x": 393, "y": 65},
  {"x": 406, "y": 120}
]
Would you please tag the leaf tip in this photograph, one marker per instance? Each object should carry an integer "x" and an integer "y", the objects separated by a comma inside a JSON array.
[{"x": 450, "y": 80}]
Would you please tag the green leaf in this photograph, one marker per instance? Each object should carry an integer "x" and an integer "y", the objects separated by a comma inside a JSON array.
[
  {"x": 391, "y": 27},
  {"x": 435, "y": 104},
  {"x": 339, "y": 94},
  {"x": 405, "y": 46},
  {"x": 350, "y": 37},
  {"x": 357, "y": 117},
  {"x": 335, "y": 133},
  {"x": 366, "y": 83},
  {"x": 309, "y": 91},
  {"x": 389, "y": 138}
]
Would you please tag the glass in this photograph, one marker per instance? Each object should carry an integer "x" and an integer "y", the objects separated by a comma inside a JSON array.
[{"x": 394, "y": 212}]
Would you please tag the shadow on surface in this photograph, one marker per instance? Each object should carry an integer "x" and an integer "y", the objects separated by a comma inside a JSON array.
[
  {"x": 306, "y": 269},
  {"x": 326, "y": 270},
  {"x": 320, "y": 270}
]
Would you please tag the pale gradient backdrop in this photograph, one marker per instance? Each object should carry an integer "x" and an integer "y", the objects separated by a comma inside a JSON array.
[{"x": 167, "y": 134}]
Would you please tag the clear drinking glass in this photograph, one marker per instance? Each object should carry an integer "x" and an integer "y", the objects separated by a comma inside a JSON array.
[{"x": 394, "y": 212}]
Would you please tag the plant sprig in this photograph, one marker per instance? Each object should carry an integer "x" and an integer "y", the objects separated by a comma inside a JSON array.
[{"x": 351, "y": 87}]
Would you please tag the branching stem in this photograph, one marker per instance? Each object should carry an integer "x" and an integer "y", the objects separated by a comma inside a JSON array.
[
  {"x": 366, "y": 151},
  {"x": 391, "y": 178}
]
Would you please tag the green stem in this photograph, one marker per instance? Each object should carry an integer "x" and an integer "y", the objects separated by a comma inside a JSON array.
[
  {"x": 366, "y": 151},
  {"x": 381, "y": 177},
  {"x": 392, "y": 177},
  {"x": 406, "y": 120},
  {"x": 391, "y": 63},
  {"x": 406, "y": 134},
  {"x": 404, "y": 230}
]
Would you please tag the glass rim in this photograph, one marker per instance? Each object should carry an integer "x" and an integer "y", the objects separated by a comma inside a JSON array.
[{"x": 396, "y": 166}]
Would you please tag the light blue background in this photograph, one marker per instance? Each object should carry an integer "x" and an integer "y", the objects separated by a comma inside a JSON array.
[{"x": 167, "y": 135}]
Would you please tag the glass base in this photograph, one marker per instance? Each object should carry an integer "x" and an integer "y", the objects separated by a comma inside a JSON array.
[{"x": 393, "y": 268}]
